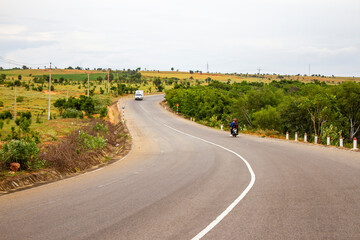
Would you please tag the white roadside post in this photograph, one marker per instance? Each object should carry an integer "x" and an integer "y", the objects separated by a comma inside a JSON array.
[
  {"x": 222, "y": 127},
  {"x": 123, "y": 114},
  {"x": 316, "y": 139},
  {"x": 287, "y": 135},
  {"x": 341, "y": 142},
  {"x": 296, "y": 136},
  {"x": 355, "y": 144},
  {"x": 328, "y": 140},
  {"x": 305, "y": 137}
]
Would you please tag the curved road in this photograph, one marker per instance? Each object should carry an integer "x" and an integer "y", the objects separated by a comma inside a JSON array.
[{"x": 180, "y": 177}]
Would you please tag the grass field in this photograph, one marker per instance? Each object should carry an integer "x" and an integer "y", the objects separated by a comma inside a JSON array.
[
  {"x": 37, "y": 102},
  {"x": 34, "y": 72},
  {"x": 70, "y": 74},
  {"x": 239, "y": 78}
]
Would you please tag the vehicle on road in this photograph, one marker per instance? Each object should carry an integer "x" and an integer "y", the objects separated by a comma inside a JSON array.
[
  {"x": 234, "y": 132},
  {"x": 139, "y": 94}
]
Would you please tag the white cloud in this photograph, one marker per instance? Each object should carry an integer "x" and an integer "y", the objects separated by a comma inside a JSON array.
[
  {"x": 9, "y": 30},
  {"x": 279, "y": 35}
]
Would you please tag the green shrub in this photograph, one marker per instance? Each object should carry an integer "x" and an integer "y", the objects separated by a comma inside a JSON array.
[
  {"x": 90, "y": 142},
  {"x": 72, "y": 113},
  {"x": 6, "y": 115},
  {"x": 20, "y": 151},
  {"x": 101, "y": 102},
  {"x": 20, "y": 99},
  {"x": 333, "y": 133},
  {"x": 103, "y": 112},
  {"x": 1, "y": 103},
  {"x": 101, "y": 127},
  {"x": 38, "y": 118}
]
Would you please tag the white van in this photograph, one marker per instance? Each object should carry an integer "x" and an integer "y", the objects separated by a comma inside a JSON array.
[{"x": 139, "y": 94}]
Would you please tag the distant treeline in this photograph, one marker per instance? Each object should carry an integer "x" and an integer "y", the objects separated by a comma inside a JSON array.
[{"x": 313, "y": 108}]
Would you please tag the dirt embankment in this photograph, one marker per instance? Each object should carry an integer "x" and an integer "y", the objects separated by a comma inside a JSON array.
[
  {"x": 114, "y": 113},
  {"x": 111, "y": 154}
]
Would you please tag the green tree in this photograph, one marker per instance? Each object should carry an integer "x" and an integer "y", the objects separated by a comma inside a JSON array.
[
  {"x": 157, "y": 82},
  {"x": 160, "y": 88},
  {"x": 348, "y": 96},
  {"x": 319, "y": 104},
  {"x": 60, "y": 104},
  {"x": 294, "y": 117}
]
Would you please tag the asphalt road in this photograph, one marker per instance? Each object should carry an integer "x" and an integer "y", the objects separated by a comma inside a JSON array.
[{"x": 180, "y": 177}]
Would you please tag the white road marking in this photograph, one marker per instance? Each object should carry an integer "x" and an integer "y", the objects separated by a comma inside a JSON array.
[{"x": 237, "y": 200}]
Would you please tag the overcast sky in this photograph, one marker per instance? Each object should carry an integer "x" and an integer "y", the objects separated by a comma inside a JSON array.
[{"x": 277, "y": 36}]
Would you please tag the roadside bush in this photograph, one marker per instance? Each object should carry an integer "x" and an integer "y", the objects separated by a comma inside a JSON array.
[
  {"x": 84, "y": 147},
  {"x": 90, "y": 142},
  {"x": 72, "y": 113},
  {"x": 1, "y": 103},
  {"x": 333, "y": 133},
  {"x": 103, "y": 112},
  {"x": 21, "y": 152},
  {"x": 101, "y": 127}
]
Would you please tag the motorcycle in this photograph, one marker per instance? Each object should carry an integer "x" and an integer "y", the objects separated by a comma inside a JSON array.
[{"x": 234, "y": 132}]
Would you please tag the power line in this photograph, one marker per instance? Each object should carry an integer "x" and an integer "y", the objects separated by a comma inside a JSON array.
[{"x": 14, "y": 62}]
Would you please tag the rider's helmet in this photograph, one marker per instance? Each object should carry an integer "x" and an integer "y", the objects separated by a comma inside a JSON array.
[{"x": 235, "y": 119}]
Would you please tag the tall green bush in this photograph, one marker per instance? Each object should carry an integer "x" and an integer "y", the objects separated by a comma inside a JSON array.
[
  {"x": 72, "y": 113},
  {"x": 21, "y": 152}
]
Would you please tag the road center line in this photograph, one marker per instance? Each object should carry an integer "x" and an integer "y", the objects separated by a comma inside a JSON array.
[{"x": 237, "y": 200}]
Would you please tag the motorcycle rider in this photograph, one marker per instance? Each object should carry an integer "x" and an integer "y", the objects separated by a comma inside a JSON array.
[{"x": 233, "y": 124}]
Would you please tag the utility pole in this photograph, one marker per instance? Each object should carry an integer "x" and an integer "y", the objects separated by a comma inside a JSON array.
[
  {"x": 309, "y": 69},
  {"x": 259, "y": 74},
  {"x": 49, "y": 92},
  {"x": 67, "y": 94},
  {"x": 207, "y": 67},
  {"x": 108, "y": 83},
  {"x": 15, "y": 105},
  {"x": 88, "y": 86}
]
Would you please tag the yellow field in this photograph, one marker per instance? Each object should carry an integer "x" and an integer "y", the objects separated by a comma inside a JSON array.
[
  {"x": 27, "y": 72},
  {"x": 249, "y": 78}
]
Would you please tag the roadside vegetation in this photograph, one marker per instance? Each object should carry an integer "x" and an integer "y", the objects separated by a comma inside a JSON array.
[
  {"x": 275, "y": 108},
  {"x": 79, "y": 135}
]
